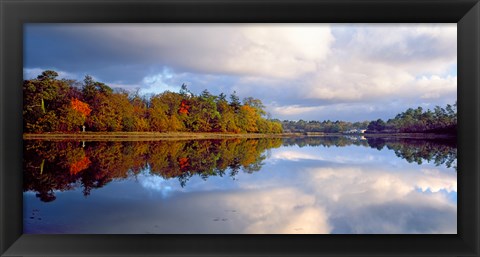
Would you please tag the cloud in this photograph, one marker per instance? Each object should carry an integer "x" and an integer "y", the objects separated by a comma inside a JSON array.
[
  {"x": 410, "y": 47},
  {"x": 263, "y": 49},
  {"x": 436, "y": 86},
  {"x": 370, "y": 81},
  {"x": 308, "y": 71},
  {"x": 159, "y": 83},
  {"x": 295, "y": 109}
]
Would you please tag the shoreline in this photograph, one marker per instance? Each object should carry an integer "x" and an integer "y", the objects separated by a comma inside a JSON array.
[
  {"x": 144, "y": 136},
  {"x": 153, "y": 136}
]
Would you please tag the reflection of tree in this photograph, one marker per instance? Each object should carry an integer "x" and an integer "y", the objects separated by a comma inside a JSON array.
[
  {"x": 205, "y": 158},
  {"x": 45, "y": 172},
  {"x": 337, "y": 141},
  {"x": 438, "y": 151},
  {"x": 62, "y": 166}
]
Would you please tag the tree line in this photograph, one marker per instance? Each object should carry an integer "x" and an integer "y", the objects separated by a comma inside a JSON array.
[
  {"x": 62, "y": 105},
  {"x": 440, "y": 120},
  {"x": 326, "y": 126},
  {"x": 53, "y": 105}
]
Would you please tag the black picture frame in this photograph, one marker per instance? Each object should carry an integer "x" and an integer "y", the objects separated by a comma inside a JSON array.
[{"x": 466, "y": 13}]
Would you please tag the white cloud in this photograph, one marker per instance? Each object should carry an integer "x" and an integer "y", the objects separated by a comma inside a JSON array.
[
  {"x": 294, "y": 109},
  {"x": 410, "y": 47},
  {"x": 436, "y": 86},
  {"x": 159, "y": 83},
  {"x": 268, "y": 50},
  {"x": 296, "y": 69},
  {"x": 368, "y": 81}
]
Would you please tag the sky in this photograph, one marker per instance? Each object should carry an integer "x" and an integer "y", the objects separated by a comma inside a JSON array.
[{"x": 351, "y": 72}]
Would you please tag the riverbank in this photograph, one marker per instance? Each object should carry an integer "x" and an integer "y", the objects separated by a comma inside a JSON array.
[
  {"x": 145, "y": 136},
  {"x": 153, "y": 136}
]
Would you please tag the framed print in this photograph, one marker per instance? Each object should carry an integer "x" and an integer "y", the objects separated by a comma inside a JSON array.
[{"x": 267, "y": 128}]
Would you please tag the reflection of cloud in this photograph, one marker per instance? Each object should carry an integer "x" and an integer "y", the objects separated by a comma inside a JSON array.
[
  {"x": 279, "y": 210},
  {"x": 309, "y": 221},
  {"x": 369, "y": 185},
  {"x": 305, "y": 154},
  {"x": 284, "y": 197},
  {"x": 294, "y": 156},
  {"x": 155, "y": 183},
  {"x": 398, "y": 217},
  {"x": 371, "y": 197}
]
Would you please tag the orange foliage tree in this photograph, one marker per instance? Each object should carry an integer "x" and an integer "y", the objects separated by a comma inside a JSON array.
[
  {"x": 81, "y": 107},
  {"x": 184, "y": 107},
  {"x": 73, "y": 115}
]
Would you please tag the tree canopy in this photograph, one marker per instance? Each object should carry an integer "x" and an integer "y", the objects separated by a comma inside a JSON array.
[
  {"x": 54, "y": 105},
  {"x": 440, "y": 120}
]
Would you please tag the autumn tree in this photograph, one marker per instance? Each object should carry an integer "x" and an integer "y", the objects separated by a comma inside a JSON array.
[
  {"x": 106, "y": 106},
  {"x": 65, "y": 105},
  {"x": 235, "y": 102},
  {"x": 44, "y": 97},
  {"x": 226, "y": 122},
  {"x": 74, "y": 115},
  {"x": 255, "y": 104},
  {"x": 140, "y": 113},
  {"x": 247, "y": 119},
  {"x": 203, "y": 116},
  {"x": 164, "y": 112},
  {"x": 157, "y": 114}
]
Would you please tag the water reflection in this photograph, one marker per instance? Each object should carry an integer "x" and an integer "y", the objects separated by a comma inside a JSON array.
[
  {"x": 300, "y": 185},
  {"x": 439, "y": 150},
  {"x": 59, "y": 166}
]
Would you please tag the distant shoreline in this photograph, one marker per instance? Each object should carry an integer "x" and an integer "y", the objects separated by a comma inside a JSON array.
[{"x": 152, "y": 136}]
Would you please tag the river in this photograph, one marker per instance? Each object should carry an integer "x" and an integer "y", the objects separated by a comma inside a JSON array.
[{"x": 319, "y": 185}]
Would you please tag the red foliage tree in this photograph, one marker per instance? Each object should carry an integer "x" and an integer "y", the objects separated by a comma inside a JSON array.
[
  {"x": 184, "y": 107},
  {"x": 81, "y": 107}
]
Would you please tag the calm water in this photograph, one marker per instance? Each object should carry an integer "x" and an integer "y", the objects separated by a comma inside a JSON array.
[{"x": 317, "y": 185}]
